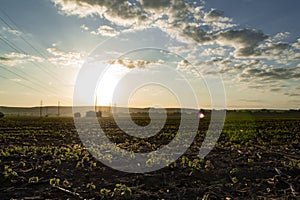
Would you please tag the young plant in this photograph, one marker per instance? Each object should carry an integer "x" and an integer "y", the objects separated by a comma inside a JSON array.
[
  {"x": 54, "y": 181},
  {"x": 33, "y": 179},
  {"x": 91, "y": 186},
  {"x": 123, "y": 190},
  {"x": 104, "y": 192}
]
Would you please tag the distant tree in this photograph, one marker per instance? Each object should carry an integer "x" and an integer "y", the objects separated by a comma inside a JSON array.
[{"x": 1, "y": 115}]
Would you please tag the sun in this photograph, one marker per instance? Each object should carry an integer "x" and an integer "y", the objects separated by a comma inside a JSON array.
[{"x": 107, "y": 84}]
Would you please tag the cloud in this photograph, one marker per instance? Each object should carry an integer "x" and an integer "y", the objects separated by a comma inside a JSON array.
[
  {"x": 297, "y": 44},
  {"x": 155, "y": 4},
  {"x": 228, "y": 66},
  {"x": 105, "y": 31},
  {"x": 184, "y": 21},
  {"x": 271, "y": 74},
  {"x": 183, "y": 64},
  {"x": 197, "y": 70},
  {"x": 197, "y": 34},
  {"x": 4, "y": 58},
  {"x": 274, "y": 49},
  {"x": 215, "y": 51},
  {"x": 10, "y": 31},
  {"x": 280, "y": 36},
  {"x": 13, "y": 59},
  {"x": 244, "y": 40},
  {"x": 131, "y": 64},
  {"x": 215, "y": 15},
  {"x": 120, "y": 12},
  {"x": 65, "y": 59},
  {"x": 251, "y": 56},
  {"x": 180, "y": 19},
  {"x": 80, "y": 8},
  {"x": 59, "y": 58},
  {"x": 292, "y": 94},
  {"x": 84, "y": 27},
  {"x": 15, "y": 79}
]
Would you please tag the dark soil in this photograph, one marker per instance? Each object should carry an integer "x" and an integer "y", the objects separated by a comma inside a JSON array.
[{"x": 253, "y": 159}]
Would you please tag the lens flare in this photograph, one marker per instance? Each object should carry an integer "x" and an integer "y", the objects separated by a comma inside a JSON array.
[{"x": 201, "y": 115}]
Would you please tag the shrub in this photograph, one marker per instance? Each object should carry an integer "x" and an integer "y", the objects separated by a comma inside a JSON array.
[{"x": 1, "y": 115}]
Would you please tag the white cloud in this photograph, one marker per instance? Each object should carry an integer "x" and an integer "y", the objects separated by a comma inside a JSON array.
[
  {"x": 119, "y": 12},
  {"x": 84, "y": 27},
  {"x": 65, "y": 59},
  {"x": 16, "y": 79},
  {"x": 4, "y": 29},
  {"x": 105, "y": 31},
  {"x": 280, "y": 36},
  {"x": 297, "y": 44},
  {"x": 215, "y": 51},
  {"x": 13, "y": 59},
  {"x": 80, "y": 8}
]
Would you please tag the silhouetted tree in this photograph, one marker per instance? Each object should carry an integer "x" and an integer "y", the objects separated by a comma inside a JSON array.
[{"x": 1, "y": 115}]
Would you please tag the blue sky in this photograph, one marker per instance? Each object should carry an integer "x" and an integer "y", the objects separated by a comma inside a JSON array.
[{"x": 253, "y": 46}]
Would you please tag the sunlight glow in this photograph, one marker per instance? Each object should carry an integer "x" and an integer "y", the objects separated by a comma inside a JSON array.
[{"x": 107, "y": 84}]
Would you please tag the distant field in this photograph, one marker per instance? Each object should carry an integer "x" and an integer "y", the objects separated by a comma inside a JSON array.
[{"x": 256, "y": 157}]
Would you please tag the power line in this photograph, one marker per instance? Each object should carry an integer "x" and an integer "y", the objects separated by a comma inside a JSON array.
[
  {"x": 51, "y": 73},
  {"x": 19, "y": 50},
  {"x": 20, "y": 76},
  {"x": 14, "y": 47},
  {"x": 26, "y": 86},
  {"x": 25, "y": 78},
  {"x": 11, "y": 45}
]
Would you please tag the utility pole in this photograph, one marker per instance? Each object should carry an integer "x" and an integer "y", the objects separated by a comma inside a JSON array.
[
  {"x": 46, "y": 109},
  {"x": 96, "y": 104},
  {"x": 109, "y": 108},
  {"x": 115, "y": 108},
  {"x": 41, "y": 108},
  {"x": 58, "y": 109}
]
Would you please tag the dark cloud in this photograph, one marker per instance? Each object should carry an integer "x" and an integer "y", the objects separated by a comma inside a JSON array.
[
  {"x": 248, "y": 37},
  {"x": 198, "y": 34},
  {"x": 226, "y": 66},
  {"x": 267, "y": 51},
  {"x": 156, "y": 4},
  {"x": 244, "y": 40},
  {"x": 4, "y": 58},
  {"x": 214, "y": 15},
  {"x": 271, "y": 74},
  {"x": 280, "y": 46},
  {"x": 179, "y": 11},
  {"x": 292, "y": 94},
  {"x": 275, "y": 89}
]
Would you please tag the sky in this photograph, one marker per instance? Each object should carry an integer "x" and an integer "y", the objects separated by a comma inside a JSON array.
[{"x": 138, "y": 53}]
